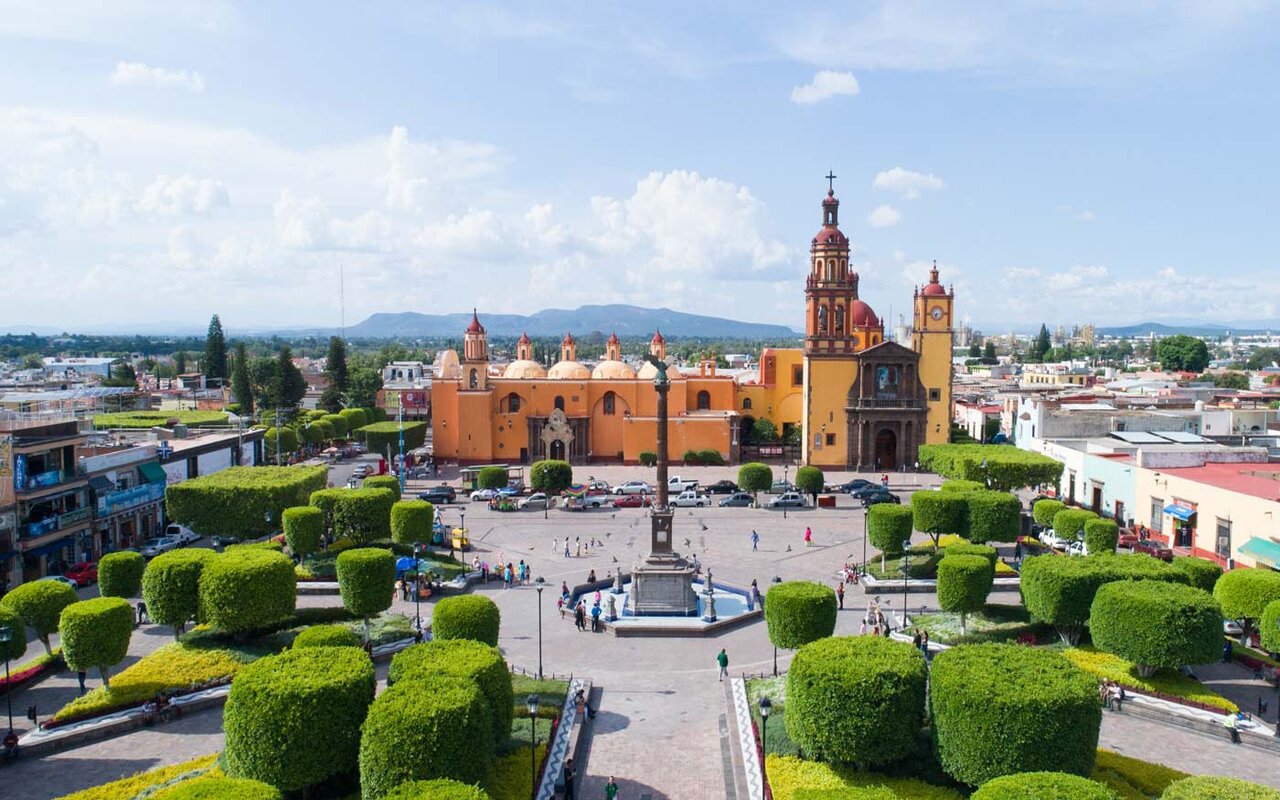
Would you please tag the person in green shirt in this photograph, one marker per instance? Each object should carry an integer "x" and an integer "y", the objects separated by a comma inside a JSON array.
[
  {"x": 611, "y": 789},
  {"x": 723, "y": 660}
]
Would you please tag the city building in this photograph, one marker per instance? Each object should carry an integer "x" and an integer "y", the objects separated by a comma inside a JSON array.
[
  {"x": 406, "y": 386},
  {"x": 127, "y": 487}
]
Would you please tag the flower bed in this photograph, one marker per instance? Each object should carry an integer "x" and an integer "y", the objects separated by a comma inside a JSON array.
[
  {"x": 790, "y": 774},
  {"x": 32, "y": 671},
  {"x": 1166, "y": 684},
  {"x": 135, "y": 785},
  {"x": 995, "y": 623}
]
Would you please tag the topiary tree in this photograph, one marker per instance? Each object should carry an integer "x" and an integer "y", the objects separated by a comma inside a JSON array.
[
  {"x": 1212, "y": 787},
  {"x": 964, "y": 581},
  {"x": 755, "y": 477},
  {"x": 492, "y": 478},
  {"x": 39, "y": 604},
  {"x": 999, "y": 709},
  {"x": 366, "y": 580},
  {"x": 326, "y": 636},
  {"x": 242, "y": 591},
  {"x": 551, "y": 476},
  {"x": 95, "y": 633},
  {"x": 303, "y": 530},
  {"x": 1156, "y": 624},
  {"x": 855, "y": 699},
  {"x": 241, "y": 502},
  {"x": 339, "y": 424},
  {"x": 293, "y": 720},
  {"x": 1000, "y": 467},
  {"x": 356, "y": 418},
  {"x": 411, "y": 521},
  {"x": 810, "y": 481},
  {"x": 798, "y": 612},
  {"x": 936, "y": 513},
  {"x": 462, "y": 658},
  {"x": 211, "y": 787},
  {"x": 279, "y": 440},
  {"x": 17, "y": 644},
  {"x": 1270, "y": 627},
  {"x": 120, "y": 574},
  {"x": 429, "y": 727},
  {"x": 993, "y": 516},
  {"x": 468, "y": 616},
  {"x": 1101, "y": 536},
  {"x": 1244, "y": 594},
  {"x": 383, "y": 482},
  {"x": 888, "y": 528},
  {"x": 362, "y": 515},
  {"x": 1044, "y": 511},
  {"x": 1069, "y": 523},
  {"x": 1042, "y": 786},
  {"x": 171, "y": 587},
  {"x": 438, "y": 789},
  {"x": 959, "y": 485},
  {"x": 970, "y": 549},
  {"x": 1201, "y": 572}
]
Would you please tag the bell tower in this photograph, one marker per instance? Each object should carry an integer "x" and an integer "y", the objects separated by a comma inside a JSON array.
[
  {"x": 524, "y": 348},
  {"x": 568, "y": 348},
  {"x": 475, "y": 355},
  {"x": 613, "y": 348},
  {"x": 931, "y": 337}
]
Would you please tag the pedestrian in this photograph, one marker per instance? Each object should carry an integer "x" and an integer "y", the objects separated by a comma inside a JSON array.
[
  {"x": 1230, "y": 724},
  {"x": 1120, "y": 697},
  {"x": 862, "y": 629},
  {"x": 1017, "y": 550},
  {"x": 915, "y": 639},
  {"x": 723, "y": 660},
  {"x": 570, "y": 772},
  {"x": 924, "y": 642},
  {"x": 808, "y": 537},
  {"x": 1226, "y": 648},
  {"x": 755, "y": 541},
  {"x": 564, "y": 588},
  {"x": 580, "y": 699},
  {"x": 580, "y": 616},
  {"x": 840, "y": 594},
  {"x": 611, "y": 789},
  {"x": 80, "y": 676},
  {"x": 555, "y": 545},
  {"x": 596, "y": 611},
  {"x": 591, "y": 576},
  {"x": 577, "y": 542}
]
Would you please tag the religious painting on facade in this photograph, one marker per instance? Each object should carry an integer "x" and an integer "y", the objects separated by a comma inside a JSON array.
[{"x": 887, "y": 382}]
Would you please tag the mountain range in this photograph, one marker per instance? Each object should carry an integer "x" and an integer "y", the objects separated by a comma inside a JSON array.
[{"x": 1190, "y": 329}]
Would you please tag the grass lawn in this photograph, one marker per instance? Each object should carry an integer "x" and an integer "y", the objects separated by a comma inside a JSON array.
[
  {"x": 924, "y": 565},
  {"x": 134, "y": 785},
  {"x": 995, "y": 623},
  {"x": 1106, "y": 666}
]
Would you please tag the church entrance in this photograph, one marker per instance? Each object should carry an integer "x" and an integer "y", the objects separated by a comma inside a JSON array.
[
  {"x": 556, "y": 450},
  {"x": 886, "y": 449}
]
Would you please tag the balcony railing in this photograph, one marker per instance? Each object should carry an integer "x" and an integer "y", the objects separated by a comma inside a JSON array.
[
  {"x": 113, "y": 502},
  {"x": 72, "y": 517},
  {"x": 905, "y": 403},
  {"x": 51, "y": 524}
]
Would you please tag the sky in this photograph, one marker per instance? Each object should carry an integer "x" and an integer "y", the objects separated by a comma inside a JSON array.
[{"x": 1069, "y": 161}]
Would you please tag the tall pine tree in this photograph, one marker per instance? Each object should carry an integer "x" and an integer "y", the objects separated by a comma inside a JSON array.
[
  {"x": 336, "y": 363},
  {"x": 287, "y": 386},
  {"x": 180, "y": 362},
  {"x": 214, "y": 362},
  {"x": 241, "y": 386}
]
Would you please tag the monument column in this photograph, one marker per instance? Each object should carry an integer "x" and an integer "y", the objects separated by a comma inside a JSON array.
[{"x": 662, "y": 515}]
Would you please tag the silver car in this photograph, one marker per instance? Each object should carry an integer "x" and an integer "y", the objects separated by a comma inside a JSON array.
[{"x": 161, "y": 544}]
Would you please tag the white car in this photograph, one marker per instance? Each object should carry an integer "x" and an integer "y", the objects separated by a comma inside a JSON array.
[
  {"x": 1051, "y": 539},
  {"x": 182, "y": 533},
  {"x": 690, "y": 498},
  {"x": 362, "y": 471},
  {"x": 537, "y": 500},
  {"x": 1078, "y": 548},
  {"x": 633, "y": 487},
  {"x": 154, "y": 547},
  {"x": 788, "y": 500},
  {"x": 1232, "y": 628},
  {"x": 485, "y": 495},
  {"x": 63, "y": 579}
]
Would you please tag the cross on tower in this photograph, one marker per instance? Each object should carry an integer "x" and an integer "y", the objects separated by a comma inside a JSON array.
[{"x": 831, "y": 181}]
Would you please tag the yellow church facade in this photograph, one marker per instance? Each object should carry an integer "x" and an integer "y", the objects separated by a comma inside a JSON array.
[{"x": 859, "y": 401}]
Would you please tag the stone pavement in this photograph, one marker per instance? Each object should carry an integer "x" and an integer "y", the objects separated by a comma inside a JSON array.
[{"x": 1185, "y": 749}]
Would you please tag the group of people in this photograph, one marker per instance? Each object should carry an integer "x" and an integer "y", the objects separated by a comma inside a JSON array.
[
  {"x": 1113, "y": 695},
  {"x": 580, "y": 614},
  {"x": 876, "y": 621},
  {"x": 417, "y": 584},
  {"x": 575, "y": 548},
  {"x": 920, "y": 639}
]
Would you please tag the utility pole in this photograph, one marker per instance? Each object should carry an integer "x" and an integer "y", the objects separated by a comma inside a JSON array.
[
  {"x": 278, "y": 460},
  {"x": 400, "y": 420}
]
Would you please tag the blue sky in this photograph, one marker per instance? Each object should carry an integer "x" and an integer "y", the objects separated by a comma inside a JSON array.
[{"x": 1068, "y": 161}]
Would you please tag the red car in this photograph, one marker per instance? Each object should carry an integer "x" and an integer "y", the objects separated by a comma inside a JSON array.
[
  {"x": 1153, "y": 548},
  {"x": 632, "y": 501},
  {"x": 1128, "y": 539},
  {"x": 84, "y": 573}
]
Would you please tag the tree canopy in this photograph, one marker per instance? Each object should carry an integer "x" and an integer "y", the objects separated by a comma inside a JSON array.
[
  {"x": 214, "y": 362},
  {"x": 1182, "y": 353}
]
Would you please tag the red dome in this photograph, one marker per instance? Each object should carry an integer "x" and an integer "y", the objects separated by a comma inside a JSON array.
[
  {"x": 933, "y": 289},
  {"x": 524, "y": 339},
  {"x": 613, "y": 339},
  {"x": 475, "y": 326},
  {"x": 568, "y": 339},
  {"x": 657, "y": 338},
  {"x": 830, "y": 235},
  {"x": 862, "y": 315}
]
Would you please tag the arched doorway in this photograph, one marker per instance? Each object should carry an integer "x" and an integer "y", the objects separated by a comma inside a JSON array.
[
  {"x": 556, "y": 450},
  {"x": 886, "y": 449}
]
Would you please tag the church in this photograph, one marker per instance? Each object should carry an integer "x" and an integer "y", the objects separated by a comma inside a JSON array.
[{"x": 861, "y": 401}]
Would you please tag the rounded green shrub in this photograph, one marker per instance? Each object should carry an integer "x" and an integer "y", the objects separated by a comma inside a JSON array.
[
  {"x": 1269, "y": 628},
  {"x": 1244, "y": 593},
  {"x": 937, "y": 513},
  {"x": 120, "y": 574},
  {"x": 468, "y": 616},
  {"x": 439, "y": 789},
  {"x": 40, "y": 604},
  {"x": 1042, "y": 786},
  {"x": 799, "y": 612},
  {"x": 340, "y": 425},
  {"x": 366, "y": 579},
  {"x": 1156, "y": 624},
  {"x": 961, "y": 485},
  {"x": 362, "y": 515},
  {"x": 1209, "y": 787},
  {"x": 356, "y": 418},
  {"x": 1202, "y": 572},
  {"x": 16, "y": 647},
  {"x": 1069, "y": 523},
  {"x": 326, "y": 636},
  {"x": 411, "y": 521},
  {"x": 491, "y": 478},
  {"x": 303, "y": 529},
  {"x": 993, "y": 516},
  {"x": 999, "y": 709},
  {"x": 888, "y": 527},
  {"x": 755, "y": 477},
  {"x": 551, "y": 476},
  {"x": 1101, "y": 536},
  {"x": 95, "y": 633},
  {"x": 964, "y": 582},
  {"x": 219, "y": 788},
  {"x": 171, "y": 586},
  {"x": 383, "y": 482},
  {"x": 810, "y": 481},
  {"x": 969, "y": 549},
  {"x": 1044, "y": 511},
  {"x": 292, "y": 720},
  {"x": 247, "y": 590},
  {"x": 855, "y": 699},
  {"x": 462, "y": 658},
  {"x": 425, "y": 728}
]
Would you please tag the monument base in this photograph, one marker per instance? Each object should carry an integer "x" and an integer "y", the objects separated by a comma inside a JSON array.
[{"x": 663, "y": 586}]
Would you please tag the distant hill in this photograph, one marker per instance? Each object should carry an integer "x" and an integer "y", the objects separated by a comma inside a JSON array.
[
  {"x": 1190, "y": 329},
  {"x": 625, "y": 320}
]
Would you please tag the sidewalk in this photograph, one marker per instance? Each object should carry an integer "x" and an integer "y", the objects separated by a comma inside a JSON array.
[{"x": 1237, "y": 683}]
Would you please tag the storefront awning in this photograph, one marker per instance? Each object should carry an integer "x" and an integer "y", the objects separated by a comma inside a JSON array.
[
  {"x": 1264, "y": 551},
  {"x": 51, "y": 547},
  {"x": 1181, "y": 512},
  {"x": 101, "y": 484},
  {"x": 153, "y": 472}
]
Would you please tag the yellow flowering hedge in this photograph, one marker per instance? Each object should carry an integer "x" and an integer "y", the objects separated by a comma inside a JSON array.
[
  {"x": 130, "y": 787},
  {"x": 1170, "y": 682},
  {"x": 1132, "y": 779},
  {"x": 788, "y": 774}
]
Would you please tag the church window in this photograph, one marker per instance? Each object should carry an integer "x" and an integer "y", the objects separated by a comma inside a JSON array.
[
  {"x": 610, "y": 403},
  {"x": 512, "y": 404},
  {"x": 704, "y": 400},
  {"x": 559, "y": 402},
  {"x": 797, "y": 375},
  {"x": 475, "y": 379},
  {"x": 822, "y": 319},
  {"x": 935, "y": 394},
  {"x": 839, "y": 320},
  {"x": 746, "y": 404},
  {"x": 831, "y": 439}
]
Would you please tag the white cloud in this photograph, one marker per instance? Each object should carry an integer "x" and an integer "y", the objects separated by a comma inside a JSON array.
[
  {"x": 136, "y": 74},
  {"x": 171, "y": 197},
  {"x": 1078, "y": 214},
  {"x": 906, "y": 182},
  {"x": 825, "y": 85},
  {"x": 884, "y": 217}
]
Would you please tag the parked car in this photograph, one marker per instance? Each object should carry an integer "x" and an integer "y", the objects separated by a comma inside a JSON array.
[
  {"x": 632, "y": 501},
  {"x": 1232, "y": 628},
  {"x": 1078, "y": 548},
  {"x": 1128, "y": 538},
  {"x": 633, "y": 487},
  {"x": 782, "y": 487},
  {"x": 362, "y": 471},
  {"x": 63, "y": 579},
  {"x": 598, "y": 487},
  {"x": 738, "y": 500},
  {"x": 1050, "y": 538},
  {"x": 863, "y": 491},
  {"x": 84, "y": 574},
  {"x": 536, "y": 501},
  {"x": 511, "y": 491},
  {"x": 485, "y": 495},
  {"x": 788, "y": 500},
  {"x": 587, "y": 501},
  {"x": 439, "y": 494},
  {"x": 722, "y": 487},
  {"x": 690, "y": 497},
  {"x": 182, "y": 533},
  {"x": 849, "y": 486},
  {"x": 876, "y": 498},
  {"x": 676, "y": 485},
  {"x": 154, "y": 547},
  {"x": 1153, "y": 548}
]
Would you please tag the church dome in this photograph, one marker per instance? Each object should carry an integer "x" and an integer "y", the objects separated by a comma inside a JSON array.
[
  {"x": 568, "y": 371},
  {"x": 862, "y": 315},
  {"x": 648, "y": 372},
  {"x": 610, "y": 370},
  {"x": 934, "y": 288},
  {"x": 524, "y": 369},
  {"x": 446, "y": 365},
  {"x": 830, "y": 236}
]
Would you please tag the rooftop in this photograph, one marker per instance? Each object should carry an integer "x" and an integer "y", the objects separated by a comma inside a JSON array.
[{"x": 1256, "y": 480}]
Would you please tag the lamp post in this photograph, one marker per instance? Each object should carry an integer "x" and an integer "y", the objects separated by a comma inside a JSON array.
[
  {"x": 462, "y": 523},
  {"x": 766, "y": 705},
  {"x": 6, "y": 636},
  {"x": 785, "y": 485},
  {"x": 866, "y": 512},
  {"x": 906, "y": 573},
  {"x": 400, "y": 420},
  {"x": 532, "y": 704},
  {"x": 418, "y": 549},
  {"x": 540, "y": 584}
]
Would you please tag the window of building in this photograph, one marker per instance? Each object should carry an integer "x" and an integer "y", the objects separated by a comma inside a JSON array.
[
  {"x": 610, "y": 403},
  {"x": 1223, "y": 546},
  {"x": 935, "y": 394},
  {"x": 797, "y": 375},
  {"x": 1157, "y": 513},
  {"x": 475, "y": 379},
  {"x": 746, "y": 404},
  {"x": 831, "y": 439},
  {"x": 560, "y": 402},
  {"x": 704, "y": 400},
  {"x": 512, "y": 404}
]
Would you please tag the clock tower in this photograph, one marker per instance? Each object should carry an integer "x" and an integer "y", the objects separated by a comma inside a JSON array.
[{"x": 931, "y": 337}]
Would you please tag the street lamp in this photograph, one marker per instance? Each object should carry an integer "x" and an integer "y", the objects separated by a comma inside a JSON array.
[
  {"x": 766, "y": 705},
  {"x": 866, "y": 512},
  {"x": 540, "y": 584},
  {"x": 418, "y": 549},
  {"x": 786, "y": 484},
  {"x": 906, "y": 573},
  {"x": 532, "y": 704},
  {"x": 6, "y": 636}
]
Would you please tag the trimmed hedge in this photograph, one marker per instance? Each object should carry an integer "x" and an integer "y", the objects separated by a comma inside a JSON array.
[
  {"x": 462, "y": 658},
  {"x": 855, "y": 699},
  {"x": 888, "y": 526},
  {"x": 383, "y": 482},
  {"x": 1042, "y": 786},
  {"x": 367, "y": 581},
  {"x": 1270, "y": 627},
  {"x": 40, "y": 604},
  {"x": 959, "y": 485},
  {"x": 810, "y": 481},
  {"x": 755, "y": 477},
  {"x": 1156, "y": 624},
  {"x": 1069, "y": 522},
  {"x": 937, "y": 512},
  {"x": 219, "y": 788},
  {"x": 293, "y": 720},
  {"x": 1244, "y": 595},
  {"x": 964, "y": 581},
  {"x": 412, "y": 521},
  {"x": 1006, "y": 467},
  {"x": 171, "y": 586},
  {"x": 326, "y": 636},
  {"x": 382, "y": 435},
  {"x": 993, "y": 516},
  {"x": 95, "y": 633},
  {"x": 492, "y": 478},
  {"x": 550, "y": 476},
  {"x": 969, "y": 549},
  {"x": 1101, "y": 536},
  {"x": 303, "y": 529},
  {"x": 241, "y": 502},
  {"x": 425, "y": 728},
  {"x": 120, "y": 574},
  {"x": 356, "y": 418},
  {"x": 1044, "y": 511},
  {"x": 288, "y": 442},
  {"x": 362, "y": 515},
  {"x": 439, "y": 789},
  {"x": 247, "y": 590},
  {"x": 1207, "y": 787},
  {"x": 16, "y": 647},
  {"x": 1202, "y": 572},
  {"x": 799, "y": 612},
  {"x": 468, "y": 616},
  {"x": 999, "y": 709}
]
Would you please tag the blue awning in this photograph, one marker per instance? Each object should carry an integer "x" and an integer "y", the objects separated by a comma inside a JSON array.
[
  {"x": 51, "y": 547},
  {"x": 1264, "y": 551},
  {"x": 1181, "y": 512}
]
